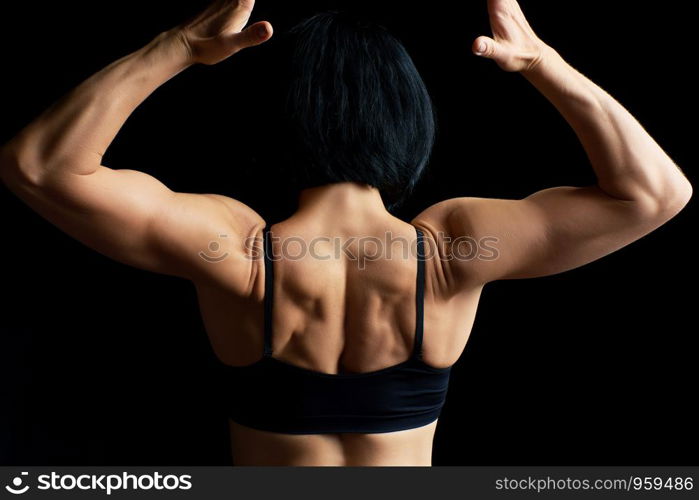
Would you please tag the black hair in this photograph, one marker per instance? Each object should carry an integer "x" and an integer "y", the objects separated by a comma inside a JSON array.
[{"x": 356, "y": 107}]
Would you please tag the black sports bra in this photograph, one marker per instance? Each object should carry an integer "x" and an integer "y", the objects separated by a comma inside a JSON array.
[{"x": 277, "y": 396}]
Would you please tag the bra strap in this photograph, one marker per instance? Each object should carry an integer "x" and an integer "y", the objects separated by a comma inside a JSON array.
[
  {"x": 419, "y": 295},
  {"x": 269, "y": 291}
]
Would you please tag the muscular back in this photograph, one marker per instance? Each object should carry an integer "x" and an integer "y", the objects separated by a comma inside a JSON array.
[{"x": 346, "y": 310}]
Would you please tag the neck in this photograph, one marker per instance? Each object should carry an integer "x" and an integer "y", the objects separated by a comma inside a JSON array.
[{"x": 343, "y": 197}]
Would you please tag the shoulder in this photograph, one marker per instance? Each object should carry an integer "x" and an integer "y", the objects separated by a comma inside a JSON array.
[
  {"x": 214, "y": 238},
  {"x": 454, "y": 232},
  {"x": 478, "y": 238}
]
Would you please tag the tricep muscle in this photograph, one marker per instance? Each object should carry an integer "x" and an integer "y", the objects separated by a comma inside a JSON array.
[
  {"x": 549, "y": 232},
  {"x": 132, "y": 217}
]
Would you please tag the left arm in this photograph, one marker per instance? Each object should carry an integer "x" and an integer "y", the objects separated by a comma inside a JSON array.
[{"x": 54, "y": 164}]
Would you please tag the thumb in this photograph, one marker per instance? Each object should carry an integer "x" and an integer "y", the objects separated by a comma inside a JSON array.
[
  {"x": 255, "y": 34},
  {"x": 484, "y": 46}
]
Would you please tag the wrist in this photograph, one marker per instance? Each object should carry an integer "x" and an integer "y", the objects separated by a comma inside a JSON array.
[
  {"x": 543, "y": 64},
  {"x": 170, "y": 47},
  {"x": 561, "y": 83}
]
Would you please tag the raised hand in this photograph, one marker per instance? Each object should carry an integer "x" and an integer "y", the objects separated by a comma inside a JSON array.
[
  {"x": 514, "y": 45},
  {"x": 217, "y": 33}
]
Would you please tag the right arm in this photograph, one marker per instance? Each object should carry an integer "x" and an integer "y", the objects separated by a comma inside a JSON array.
[{"x": 638, "y": 188}]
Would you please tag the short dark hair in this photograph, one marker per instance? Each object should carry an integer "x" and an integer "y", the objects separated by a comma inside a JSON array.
[{"x": 357, "y": 107}]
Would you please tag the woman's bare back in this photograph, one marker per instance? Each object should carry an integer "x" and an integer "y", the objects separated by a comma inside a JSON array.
[{"x": 343, "y": 303}]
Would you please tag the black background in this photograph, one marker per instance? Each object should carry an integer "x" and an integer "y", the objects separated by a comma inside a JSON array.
[{"x": 104, "y": 364}]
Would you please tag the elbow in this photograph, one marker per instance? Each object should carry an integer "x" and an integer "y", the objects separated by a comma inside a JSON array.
[
  {"x": 681, "y": 194},
  {"x": 665, "y": 206},
  {"x": 17, "y": 169}
]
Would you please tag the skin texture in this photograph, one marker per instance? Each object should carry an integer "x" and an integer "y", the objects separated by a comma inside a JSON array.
[{"x": 330, "y": 315}]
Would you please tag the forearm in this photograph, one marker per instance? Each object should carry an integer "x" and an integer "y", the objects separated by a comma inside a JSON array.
[
  {"x": 72, "y": 135},
  {"x": 628, "y": 162}
]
